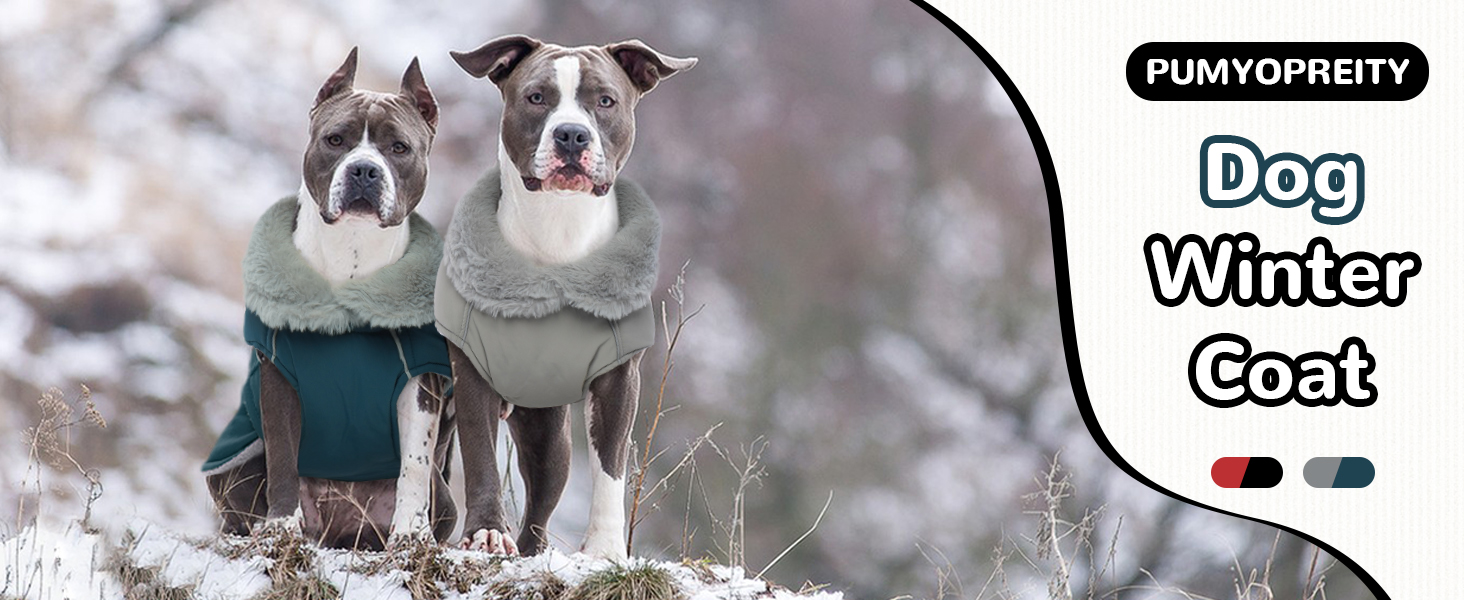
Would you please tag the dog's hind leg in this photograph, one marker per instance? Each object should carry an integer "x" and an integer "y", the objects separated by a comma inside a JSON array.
[
  {"x": 239, "y": 495},
  {"x": 609, "y": 415},
  {"x": 543, "y": 441},
  {"x": 444, "y": 510},
  {"x": 477, "y": 407}
]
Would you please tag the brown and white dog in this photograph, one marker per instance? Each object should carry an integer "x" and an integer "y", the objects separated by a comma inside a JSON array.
[
  {"x": 567, "y": 129},
  {"x": 365, "y": 171}
]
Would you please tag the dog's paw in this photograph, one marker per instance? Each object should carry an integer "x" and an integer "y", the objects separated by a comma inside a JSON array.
[
  {"x": 409, "y": 526},
  {"x": 280, "y": 526},
  {"x": 410, "y": 539},
  {"x": 604, "y": 547},
  {"x": 491, "y": 541}
]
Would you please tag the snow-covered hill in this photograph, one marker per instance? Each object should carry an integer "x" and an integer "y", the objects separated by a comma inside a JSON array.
[{"x": 148, "y": 561}]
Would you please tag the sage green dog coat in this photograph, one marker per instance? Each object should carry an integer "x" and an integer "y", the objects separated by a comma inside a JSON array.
[
  {"x": 539, "y": 334},
  {"x": 347, "y": 350}
]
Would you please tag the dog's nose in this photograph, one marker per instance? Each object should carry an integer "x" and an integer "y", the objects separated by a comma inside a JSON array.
[
  {"x": 364, "y": 173},
  {"x": 571, "y": 138}
]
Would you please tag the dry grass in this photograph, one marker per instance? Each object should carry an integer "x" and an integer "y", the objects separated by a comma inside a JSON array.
[
  {"x": 677, "y": 292},
  {"x": 1255, "y": 583},
  {"x": 426, "y": 567},
  {"x": 306, "y": 587},
  {"x": 948, "y": 583},
  {"x": 540, "y": 586},
  {"x": 748, "y": 468},
  {"x": 702, "y": 568},
  {"x": 1060, "y": 548},
  {"x": 1055, "y": 533},
  {"x": 141, "y": 583},
  {"x": 640, "y": 581},
  {"x": 288, "y": 552},
  {"x": 729, "y": 531},
  {"x": 49, "y": 442},
  {"x": 1064, "y": 547},
  {"x": 290, "y": 564},
  {"x": 429, "y": 570}
]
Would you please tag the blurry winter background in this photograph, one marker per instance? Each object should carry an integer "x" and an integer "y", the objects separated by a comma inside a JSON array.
[{"x": 860, "y": 204}]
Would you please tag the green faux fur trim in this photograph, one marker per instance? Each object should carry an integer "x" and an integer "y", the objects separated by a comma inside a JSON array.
[
  {"x": 611, "y": 282},
  {"x": 287, "y": 293}
]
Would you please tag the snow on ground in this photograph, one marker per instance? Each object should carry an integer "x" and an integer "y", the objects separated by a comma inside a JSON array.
[
  {"x": 47, "y": 563},
  {"x": 69, "y": 561}
]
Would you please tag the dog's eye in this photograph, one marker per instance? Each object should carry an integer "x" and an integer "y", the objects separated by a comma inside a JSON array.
[
  {"x": 334, "y": 140},
  {"x": 536, "y": 98},
  {"x": 606, "y": 102},
  {"x": 399, "y": 148}
]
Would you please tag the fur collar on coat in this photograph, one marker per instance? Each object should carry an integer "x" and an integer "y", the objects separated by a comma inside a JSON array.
[
  {"x": 287, "y": 293},
  {"x": 611, "y": 282}
]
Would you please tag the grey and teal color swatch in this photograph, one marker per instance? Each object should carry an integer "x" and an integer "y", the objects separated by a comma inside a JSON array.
[{"x": 1338, "y": 472}]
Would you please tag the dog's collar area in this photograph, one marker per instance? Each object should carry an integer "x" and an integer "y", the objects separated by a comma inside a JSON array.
[
  {"x": 287, "y": 293},
  {"x": 610, "y": 282}
]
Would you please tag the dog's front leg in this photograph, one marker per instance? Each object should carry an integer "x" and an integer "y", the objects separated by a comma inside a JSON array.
[
  {"x": 279, "y": 408},
  {"x": 418, "y": 411},
  {"x": 478, "y": 408},
  {"x": 609, "y": 415}
]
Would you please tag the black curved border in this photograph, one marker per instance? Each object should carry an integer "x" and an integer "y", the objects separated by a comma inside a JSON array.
[{"x": 1065, "y": 304}]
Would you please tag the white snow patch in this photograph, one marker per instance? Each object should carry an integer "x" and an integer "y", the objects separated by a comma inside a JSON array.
[
  {"x": 65, "y": 562},
  {"x": 183, "y": 563}
]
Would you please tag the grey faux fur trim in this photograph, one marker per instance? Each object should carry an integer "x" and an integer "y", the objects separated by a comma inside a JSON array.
[
  {"x": 255, "y": 448},
  {"x": 287, "y": 293},
  {"x": 613, "y": 281}
]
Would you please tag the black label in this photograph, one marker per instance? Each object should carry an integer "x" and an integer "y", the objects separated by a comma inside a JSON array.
[{"x": 1274, "y": 71}]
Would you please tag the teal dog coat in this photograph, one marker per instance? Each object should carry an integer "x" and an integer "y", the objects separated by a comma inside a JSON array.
[{"x": 348, "y": 350}]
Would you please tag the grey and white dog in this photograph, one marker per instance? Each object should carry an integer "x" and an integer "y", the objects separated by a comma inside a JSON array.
[
  {"x": 567, "y": 129},
  {"x": 365, "y": 171}
]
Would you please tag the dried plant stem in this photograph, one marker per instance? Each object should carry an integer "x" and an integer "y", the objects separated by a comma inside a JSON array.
[
  {"x": 677, "y": 292},
  {"x": 49, "y": 441},
  {"x": 805, "y": 535}
]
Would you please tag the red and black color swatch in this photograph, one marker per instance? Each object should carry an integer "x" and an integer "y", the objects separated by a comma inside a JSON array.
[{"x": 1246, "y": 472}]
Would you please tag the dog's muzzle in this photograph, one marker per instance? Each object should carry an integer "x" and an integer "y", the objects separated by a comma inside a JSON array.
[{"x": 364, "y": 184}]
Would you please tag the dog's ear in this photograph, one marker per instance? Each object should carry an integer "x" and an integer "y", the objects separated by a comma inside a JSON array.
[
  {"x": 414, "y": 88},
  {"x": 340, "y": 81},
  {"x": 644, "y": 65},
  {"x": 497, "y": 58}
]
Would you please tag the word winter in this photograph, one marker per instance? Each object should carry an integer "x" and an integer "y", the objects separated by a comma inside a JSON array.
[
  {"x": 1269, "y": 71},
  {"x": 1232, "y": 267},
  {"x": 1272, "y": 379},
  {"x": 1233, "y": 172}
]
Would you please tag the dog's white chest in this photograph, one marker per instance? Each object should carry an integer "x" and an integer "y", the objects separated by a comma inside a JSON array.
[
  {"x": 557, "y": 228},
  {"x": 347, "y": 250}
]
